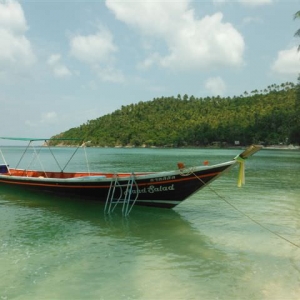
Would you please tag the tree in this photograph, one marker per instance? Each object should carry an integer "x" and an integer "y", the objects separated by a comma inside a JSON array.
[
  {"x": 295, "y": 133},
  {"x": 297, "y": 33}
]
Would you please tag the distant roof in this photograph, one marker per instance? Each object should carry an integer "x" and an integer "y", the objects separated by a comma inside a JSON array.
[{"x": 37, "y": 139}]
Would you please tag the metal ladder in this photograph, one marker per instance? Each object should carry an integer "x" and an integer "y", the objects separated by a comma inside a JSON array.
[{"x": 124, "y": 198}]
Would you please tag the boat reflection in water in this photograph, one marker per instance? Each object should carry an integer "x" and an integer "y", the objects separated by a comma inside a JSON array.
[{"x": 154, "y": 230}]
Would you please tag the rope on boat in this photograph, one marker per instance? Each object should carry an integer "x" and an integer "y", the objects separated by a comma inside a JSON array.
[
  {"x": 186, "y": 171},
  {"x": 47, "y": 144},
  {"x": 86, "y": 157},
  {"x": 247, "y": 216},
  {"x": 34, "y": 157},
  {"x": 3, "y": 158}
]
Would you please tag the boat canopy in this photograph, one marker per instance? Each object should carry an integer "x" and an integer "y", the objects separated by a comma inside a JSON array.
[
  {"x": 46, "y": 140},
  {"x": 37, "y": 139}
]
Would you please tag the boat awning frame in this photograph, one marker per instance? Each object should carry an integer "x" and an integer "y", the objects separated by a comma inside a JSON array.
[
  {"x": 46, "y": 143},
  {"x": 37, "y": 139}
]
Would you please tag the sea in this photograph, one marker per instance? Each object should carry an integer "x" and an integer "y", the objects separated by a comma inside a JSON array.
[{"x": 224, "y": 242}]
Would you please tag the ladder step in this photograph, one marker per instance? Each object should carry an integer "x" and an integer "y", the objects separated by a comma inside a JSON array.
[{"x": 124, "y": 198}]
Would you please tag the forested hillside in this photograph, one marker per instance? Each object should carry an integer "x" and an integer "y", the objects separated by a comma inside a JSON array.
[{"x": 267, "y": 117}]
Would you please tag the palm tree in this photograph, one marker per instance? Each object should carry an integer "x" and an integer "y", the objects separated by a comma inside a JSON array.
[{"x": 297, "y": 33}]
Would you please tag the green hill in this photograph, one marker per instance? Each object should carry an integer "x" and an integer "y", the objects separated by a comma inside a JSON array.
[{"x": 267, "y": 116}]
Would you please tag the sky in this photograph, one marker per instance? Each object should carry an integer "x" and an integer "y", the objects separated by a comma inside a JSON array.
[{"x": 63, "y": 63}]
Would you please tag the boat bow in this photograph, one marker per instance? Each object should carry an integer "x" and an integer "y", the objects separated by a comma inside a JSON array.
[{"x": 241, "y": 160}]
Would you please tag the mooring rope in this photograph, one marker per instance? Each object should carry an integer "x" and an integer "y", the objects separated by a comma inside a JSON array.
[{"x": 245, "y": 215}]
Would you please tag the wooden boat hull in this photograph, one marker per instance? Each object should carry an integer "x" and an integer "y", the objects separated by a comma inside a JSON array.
[
  {"x": 162, "y": 189},
  {"x": 157, "y": 189}
]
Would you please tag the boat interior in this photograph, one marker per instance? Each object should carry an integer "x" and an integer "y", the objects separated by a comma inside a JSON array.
[
  {"x": 57, "y": 175},
  {"x": 5, "y": 170}
]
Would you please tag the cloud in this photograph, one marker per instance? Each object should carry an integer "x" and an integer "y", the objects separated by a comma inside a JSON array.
[
  {"x": 151, "y": 17},
  {"x": 59, "y": 70},
  {"x": 94, "y": 48},
  {"x": 45, "y": 119},
  {"x": 98, "y": 50},
  {"x": 191, "y": 43},
  {"x": 12, "y": 16},
  {"x": 219, "y": 1},
  {"x": 215, "y": 85},
  {"x": 255, "y": 2},
  {"x": 49, "y": 117},
  {"x": 248, "y": 20},
  {"x": 287, "y": 62},
  {"x": 15, "y": 49},
  {"x": 109, "y": 74},
  {"x": 246, "y": 2}
]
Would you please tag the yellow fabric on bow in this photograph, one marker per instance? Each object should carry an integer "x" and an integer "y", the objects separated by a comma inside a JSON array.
[{"x": 241, "y": 176}]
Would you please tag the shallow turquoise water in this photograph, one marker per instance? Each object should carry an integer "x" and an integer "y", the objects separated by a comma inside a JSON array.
[{"x": 54, "y": 248}]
